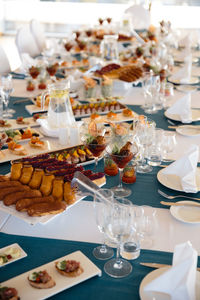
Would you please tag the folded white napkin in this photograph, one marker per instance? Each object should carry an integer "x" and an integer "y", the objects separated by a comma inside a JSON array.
[
  {"x": 178, "y": 281},
  {"x": 184, "y": 74},
  {"x": 185, "y": 168},
  {"x": 75, "y": 83},
  {"x": 186, "y": 41},
  {"x": 182, "y": 108}
]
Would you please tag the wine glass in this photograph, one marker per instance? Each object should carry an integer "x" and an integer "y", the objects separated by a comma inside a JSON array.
[
  {"x": 7, "y": 89},
  {"x": 144, "y": 132},
  {"x": 101, "y": 210},
  {"x": 118, "y": 229},
  {"x": 168, "y": 145},
  {"x": 146, "y": 226},
  {"x": 93, "y": 137}
]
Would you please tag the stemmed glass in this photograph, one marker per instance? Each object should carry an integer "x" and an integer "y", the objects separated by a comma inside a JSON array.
[
  {"x": 146, "y": 226},
  {"x": 7, "y": 89},
  {"x": 93, "y": 137},
  {"x": 144, "y": 132},
  {"x": 121, "y": 156},
  {"x": 101, "y": 210},
  {"x": 168, "y": 145},
  {"x": 118, "y": 229}
]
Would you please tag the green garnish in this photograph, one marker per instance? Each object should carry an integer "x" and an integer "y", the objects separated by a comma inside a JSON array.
[
  {"x": 5, "y": 259},
  {"x": 89, "y": 139},
  {"x": 62, "y": 265},
  {"x": 11, "y": 133},
  {"x": 115, "y": 150}
]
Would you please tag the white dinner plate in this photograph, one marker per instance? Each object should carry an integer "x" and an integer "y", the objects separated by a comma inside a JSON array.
[
  {"x": 174, "y": 182},
  {"x": 195, "y": 115},
  {"x": 26, "y": 291},
  {"x": 186, "y": 214},
  {"x": 188, "y": 130},
  {"x": 186, "y": 88},
  {"x": 144, "y": 295},
  {"x": 22, "y": 253},
  {"x": 193, "y": 80}
]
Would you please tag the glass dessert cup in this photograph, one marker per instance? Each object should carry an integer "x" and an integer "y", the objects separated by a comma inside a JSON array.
[
  {"x": 97, "y": 150},
  {"x": 121, "y": 159}
]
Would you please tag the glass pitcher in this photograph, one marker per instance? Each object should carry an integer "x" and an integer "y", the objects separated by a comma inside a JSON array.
[
  {"x": 60, "y": 113},
  {"x": 109, "y": 48}
]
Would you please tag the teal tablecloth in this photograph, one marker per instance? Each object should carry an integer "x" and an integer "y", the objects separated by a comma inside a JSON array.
[{"x": 41, "y": 251}]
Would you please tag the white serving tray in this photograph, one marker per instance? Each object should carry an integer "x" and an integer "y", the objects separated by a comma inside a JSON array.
[
  {"x": 22, "y": 253},
  {"x": 26, "y": 291}
]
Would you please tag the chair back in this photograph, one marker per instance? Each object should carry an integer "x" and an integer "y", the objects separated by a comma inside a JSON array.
[
  {"x": 25, "y": 42},
  {"x": 38, "y": 34},
  {"x": 140, "y": 17},
  {"x": 4, "y": 62}
]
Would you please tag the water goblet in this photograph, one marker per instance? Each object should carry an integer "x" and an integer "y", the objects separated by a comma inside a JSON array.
[
  {"x": 118, "y": 229},
  {"x": 101, "y": 210},
  {"x": 7, "y": 89}
]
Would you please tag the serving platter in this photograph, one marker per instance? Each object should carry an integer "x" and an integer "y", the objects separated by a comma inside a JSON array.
[
  {"x": 14, "y": 125},
  {"x": 20, "y": 140},
  {"x": 26, "y": 291},
  {"x": 117, "y": 119},
  {"x": 22, "y": 253}
]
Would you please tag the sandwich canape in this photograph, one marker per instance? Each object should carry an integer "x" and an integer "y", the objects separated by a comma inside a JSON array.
[
  {"x": 16, "y": 148},
  {"x": 69, "y": 268},
  {"x": 41, "y": 280},
  {"x": 8, "y": 293},
  {"x": 35, "y": 142}
]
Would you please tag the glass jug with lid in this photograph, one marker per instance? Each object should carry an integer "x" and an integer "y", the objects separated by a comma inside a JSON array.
[
  {"x": 60, "y": 113},
  {"x": 109, "y": 48}
]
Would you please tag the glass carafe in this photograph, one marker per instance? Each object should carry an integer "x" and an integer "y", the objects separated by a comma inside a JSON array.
[
  {"x": 109, "y": 48},
  {"x": 60, "y": 113}
]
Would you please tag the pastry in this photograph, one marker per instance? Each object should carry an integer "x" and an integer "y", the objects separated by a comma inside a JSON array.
[
  {"x": 10, "y": 190},
  {"x": 27, "y": 172},
  {"x": 36, "y": 179},
  {"x": 41, "y": 280},
  {"x": 69, "y": 268},
  {"x": 127, "y": 112},
  {"x": 42, "y": 209},
  {"x": 16, "y": 170},
  {"x": 57, "y": 191},
  {"x": 47, "y": 184},
  {"x": 25, "y": 203},
  {"x": 69, "y": 193},
  {"x": 14, "y": 197},
  {"x": 8, "y": 183}
]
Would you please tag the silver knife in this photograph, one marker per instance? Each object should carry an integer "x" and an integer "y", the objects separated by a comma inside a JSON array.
[{"x": 157, "y": 266}]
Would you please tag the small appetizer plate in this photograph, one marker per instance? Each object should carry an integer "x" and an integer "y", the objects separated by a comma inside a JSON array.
[
  {"x": 26, "y": 291},
  {"x": 18, "y": 253}
]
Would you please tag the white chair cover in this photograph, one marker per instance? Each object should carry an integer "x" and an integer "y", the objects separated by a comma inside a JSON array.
[
  {"x": 38, "y": 34},
  {"x": 25, "y": 42},
  {"x": 140, "y": 16},
  {"x": 4, "y": 62}
]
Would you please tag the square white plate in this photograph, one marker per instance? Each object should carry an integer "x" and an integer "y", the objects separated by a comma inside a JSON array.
[
  {"x": 22, "y": 253},
  {"x": 26, "y": 291}
]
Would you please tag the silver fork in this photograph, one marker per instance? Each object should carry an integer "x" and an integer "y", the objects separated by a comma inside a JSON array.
[{"x": 178, "y": 196}]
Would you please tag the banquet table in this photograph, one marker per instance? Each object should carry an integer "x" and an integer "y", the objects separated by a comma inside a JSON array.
[{"x": 76, "y": 229}]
